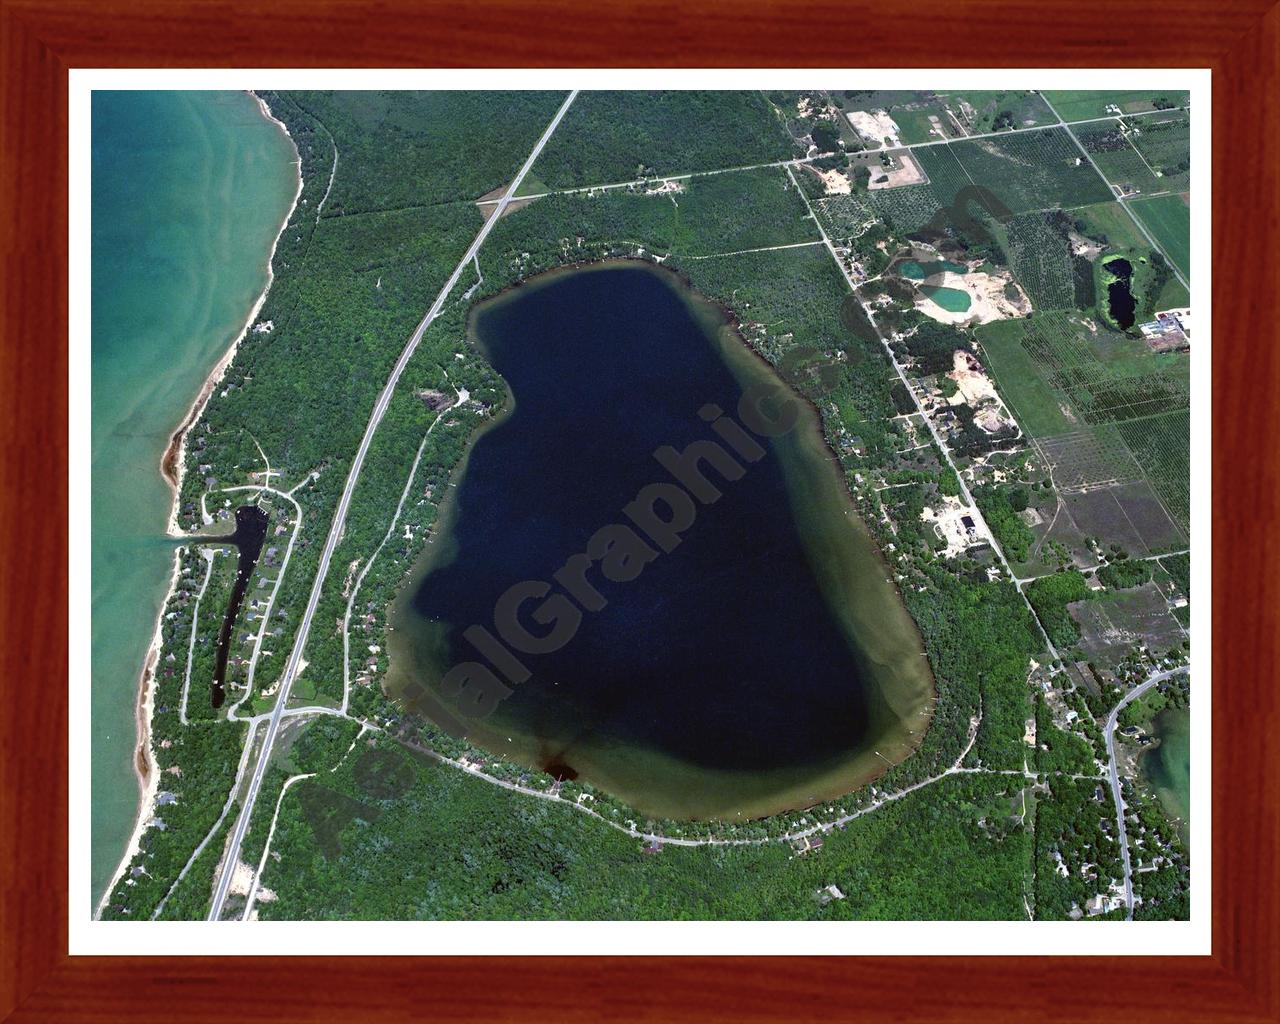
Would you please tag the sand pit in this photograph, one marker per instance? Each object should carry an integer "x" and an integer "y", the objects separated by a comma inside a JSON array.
[
  {"x": 905, "y": 171},
  {"x": 988, "y": 300},
  {"x": 876, "y": 127}
]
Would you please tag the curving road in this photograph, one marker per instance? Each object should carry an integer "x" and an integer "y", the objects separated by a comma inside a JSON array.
[
  {"x": 232, "y": 854},
  {"x": 1110, "y": 734}
]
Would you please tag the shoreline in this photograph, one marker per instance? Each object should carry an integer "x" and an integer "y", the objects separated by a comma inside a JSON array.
[
  {"x": 866, "y": 770},
  {"x": 172, "y": 471}
]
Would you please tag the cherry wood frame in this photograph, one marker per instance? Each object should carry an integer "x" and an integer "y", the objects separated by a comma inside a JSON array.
[{"x": 41, "y": 39}]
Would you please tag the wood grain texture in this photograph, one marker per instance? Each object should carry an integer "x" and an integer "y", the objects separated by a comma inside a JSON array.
[{"x": 40, "y": 40}]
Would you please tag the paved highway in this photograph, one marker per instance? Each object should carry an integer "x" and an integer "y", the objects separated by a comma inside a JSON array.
[{"x": 335, "y": 532}]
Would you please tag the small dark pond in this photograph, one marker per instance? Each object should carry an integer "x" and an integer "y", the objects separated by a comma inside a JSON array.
[{"x": 1120, "y": 300}]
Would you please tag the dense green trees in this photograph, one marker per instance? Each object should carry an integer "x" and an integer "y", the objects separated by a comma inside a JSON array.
[
  {"x": 1120, "y": 575},
  {"x": 407, "y": 148},
  {"x": 453, "y": 847},
  {"x": 1050, "y": 596},
  {"x": 998, "y": 507},
  {"x": 932, "y": 346},
  {"x": 618, "y": 136}
]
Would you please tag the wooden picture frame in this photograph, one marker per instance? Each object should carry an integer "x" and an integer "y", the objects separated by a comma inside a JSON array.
[{"x": 41, "y": 40}]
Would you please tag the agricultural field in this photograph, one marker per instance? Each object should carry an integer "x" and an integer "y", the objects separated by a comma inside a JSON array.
[
  {"x": 1164, "y": 141},
  {"x": 905, "y": 209},
  {"x": 1035, "y": 170},
  {"x": 1168, "y": 218},
  {"x": 1113, "y": 624},
  {"x": 1163, "y": 445},
  {"x": 1022, "y": 385},
  {"x": 1128, "y": 514},
  {"x": 1040, "y": 258},
  {"x": 1083, "y": 104},
  {"x": 619, "y": 136},
  {"x": 1098, "y": 407},
  {"x": 1089, "y": 459},
  {"x": 1123, "y": 166},
  {"x": 844, "y": 216}
]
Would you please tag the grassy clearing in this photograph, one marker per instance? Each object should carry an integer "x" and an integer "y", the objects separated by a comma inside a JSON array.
[
  {"x": 995, "y": 111},
  {"x": 1081, "y": 104},
  {"x": 1168, "y": 218},
  {"x": 1020, "y": 381},
  {"x": 1111, "y": 223}
]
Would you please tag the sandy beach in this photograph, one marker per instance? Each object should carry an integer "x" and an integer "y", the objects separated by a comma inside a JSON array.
[
  {"x": 172, "y": 469},
  {"x": 172, "y": 466}
]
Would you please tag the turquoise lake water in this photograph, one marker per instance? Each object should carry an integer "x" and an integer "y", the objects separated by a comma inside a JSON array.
[
  {"x": 189, "y": 191},
  {"x": 1169, "y": 765},
  {"x": 919, "y": 271},
  {"x": 953, "y": 300}
]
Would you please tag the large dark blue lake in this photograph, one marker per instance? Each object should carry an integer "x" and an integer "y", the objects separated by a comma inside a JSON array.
[{"x": 764, "y": 662}]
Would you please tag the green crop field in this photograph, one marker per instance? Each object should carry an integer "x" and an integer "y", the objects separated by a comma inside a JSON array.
[
  {"x": 1019, "y": 379},
  {"x": 1035, "y": 170},
  {"x": 1162, "y": 444},
  {"x": 1165, "y": 143},
  {"x": 1081, "y": 104},
  {"x": 1059, "y": 375},
  {"x": 1110, "y": 221},
  {"x": 946, "y": 174},
  {"x": 1116, "y": 158},
  {"x": 907, "y": 209},
  {"x": 1168, "y": 218},
  {"x": 1041, "y": 261}
]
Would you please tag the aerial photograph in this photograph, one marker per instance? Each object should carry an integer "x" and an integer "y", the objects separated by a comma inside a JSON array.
[{"x": 613, "y": 505}]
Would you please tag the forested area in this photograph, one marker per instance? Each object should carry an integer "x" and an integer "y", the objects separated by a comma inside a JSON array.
[
  {"x": 1077, "y": 854},
  {"x": 196, "y": 763},
  {"x": 1000, "y": 507},
  {"x": 932, "y": 346},
  {"x": 619, "y": 136},
  {"x": 400, "y": 149},
  {"x": 453, "y": 847},
  {"x": 1120, "y": 575},
  {"x": 1058, "y": 751},
  {"x": 1050, "y": 596}
]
